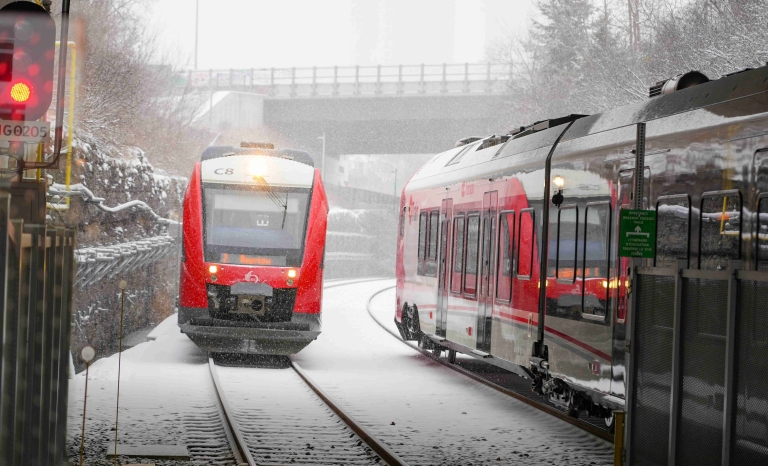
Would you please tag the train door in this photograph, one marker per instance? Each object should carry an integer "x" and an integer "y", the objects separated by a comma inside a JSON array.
[
  {"x": 442, "y": 285},
  {"x": 487, "y": 270}
]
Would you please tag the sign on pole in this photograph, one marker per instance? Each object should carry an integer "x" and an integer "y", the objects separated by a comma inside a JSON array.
[
  {"x": 25, "y": 131},
  {"x": 637, "y": 233}
]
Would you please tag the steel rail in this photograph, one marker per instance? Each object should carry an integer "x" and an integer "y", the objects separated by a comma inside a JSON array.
[
  {"x": 594, "y": 430},
  {"x": 237, "y": 441},
  {"x": 379, "y": 447}
]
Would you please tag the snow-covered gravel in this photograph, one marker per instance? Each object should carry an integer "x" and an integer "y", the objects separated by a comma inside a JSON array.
[
  {"x": 427, "y": 413},
  {"x": 166, "y": 397}
]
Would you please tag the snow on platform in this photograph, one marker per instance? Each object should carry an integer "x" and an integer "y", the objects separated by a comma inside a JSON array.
[
  {"x": 166, "y": 398},
  {"x": 427, "y": 413}
]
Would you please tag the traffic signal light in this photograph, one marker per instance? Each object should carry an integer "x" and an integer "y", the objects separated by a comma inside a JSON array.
[{"x": 27, "y": 50}]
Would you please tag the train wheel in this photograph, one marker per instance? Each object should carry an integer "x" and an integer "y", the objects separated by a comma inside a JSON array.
[
  {"x": 452, "y": 356},
  {"x": 573, "y": 406},
  {"x": 412, "y": 327}
]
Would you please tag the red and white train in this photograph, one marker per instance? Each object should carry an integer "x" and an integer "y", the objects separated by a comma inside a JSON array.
[
  {"x": 508, "y": 245},
  {"x": 253, "y": 247}
]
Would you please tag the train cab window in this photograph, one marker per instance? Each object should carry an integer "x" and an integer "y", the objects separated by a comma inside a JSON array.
[
  {"x": 506, "y": 249},
  {"x": 567, "y": 239},
  {"x": 459, "y": 155},
  {"x": 762, "y": 234},
  {"x": 720, "y": 225},
  {"x": 422, "y": 242},
  {"x": 597, "y": 233},
  {"x": 458, "y": 253},
  {"x": 525, "y": 244},
  {"x": 430, "y": 268},
  {"x": 673, "y": 218},
  {"x": 470, "y": 268}
]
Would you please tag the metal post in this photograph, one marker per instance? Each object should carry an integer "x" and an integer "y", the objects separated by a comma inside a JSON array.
[
  {"x": 314, "y": 81},
  {"x": 9, "y": 345},
  {"x": 322, "y": 158},
  {"x": 422, "y": 84},
  {"x": 123, "y": 286},
  {"x": 34, "y": 307},
  {"x": 47, "y": 350},
  {"x": 630, "y": 350},
  {"x": 445, "y": 83},
  {"x": 67, "y": 253},
  {"x": 488, "y": 78},
  {"x": 730, "y": 361},
  {"x": 639, "y": 166},
  {"x": 335, "y": 80},
  {"x": 197, "y": 26},
  {"x": 618, "y": 438},
  {"x": 53, "y": 424},
  {"x": 677, "y": 344},
  {"x": 466, "y": 77},
  {"x": 6, "y": 279},
  {"x": 357, "y": 79}
]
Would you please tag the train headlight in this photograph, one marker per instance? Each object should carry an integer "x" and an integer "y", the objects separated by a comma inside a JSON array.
[
  {"x": 213, "y": 269},
  {"x": 256, "y": 169},
  {"x": 559, "y": 181},
  {"x": 605, "y": 283},
  {"x": 292, "y": 273}
]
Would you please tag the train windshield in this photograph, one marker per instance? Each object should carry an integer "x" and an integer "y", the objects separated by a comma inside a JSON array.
[{"x": 255, "y": 225}]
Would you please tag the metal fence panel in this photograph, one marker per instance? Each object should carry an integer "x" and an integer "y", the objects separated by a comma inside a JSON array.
[
  {"x": 652, "y": 370},
  {"x": 10, "y": 341},
  {"x": 704, "y": 326},
  {"x": 750, "y": 426}
]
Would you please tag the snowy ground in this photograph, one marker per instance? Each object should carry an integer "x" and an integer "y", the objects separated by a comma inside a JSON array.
[
  {"x": 430, "y": 414},
  {"x": 427, "y": 413}
]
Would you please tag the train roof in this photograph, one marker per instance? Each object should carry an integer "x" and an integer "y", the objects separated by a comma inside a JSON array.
[
  {"x": 214, "y": 152},
  {"x": 531, "y": 148}
]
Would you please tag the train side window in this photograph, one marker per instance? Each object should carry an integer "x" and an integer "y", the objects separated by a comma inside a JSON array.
[
  {"x": 506, "y": 253},
  {"x": 422, "y": 242},
  {"x": 720, "y": 224},
  {"x": 458, "y": 253},
  {"x": 597, "y": 234},
  {"x": 567, "y": 236},
  {"x": 430, "y": 269},
  {"x": 762, "y": 233},
  {"x": 470, "y": 267},
  {"x": 673, "y": 215},
  {"x": 525, "y": 244}
]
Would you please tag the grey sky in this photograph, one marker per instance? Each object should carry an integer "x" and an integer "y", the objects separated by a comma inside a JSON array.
[{"x": 269, "y": 33}]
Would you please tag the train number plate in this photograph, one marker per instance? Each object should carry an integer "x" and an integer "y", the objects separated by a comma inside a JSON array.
[{"x": 25, "y": 131}]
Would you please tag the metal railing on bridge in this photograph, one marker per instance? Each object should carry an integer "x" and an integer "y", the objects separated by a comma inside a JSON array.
[
  {"x": 351, "y": 81},
  {"x": 698, "y": 348}
]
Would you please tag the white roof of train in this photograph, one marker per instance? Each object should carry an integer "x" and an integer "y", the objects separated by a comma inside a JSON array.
[{"x": 242, "y": 169}]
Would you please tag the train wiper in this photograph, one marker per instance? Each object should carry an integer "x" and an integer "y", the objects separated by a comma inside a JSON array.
[{"x": 263, "y": 186}]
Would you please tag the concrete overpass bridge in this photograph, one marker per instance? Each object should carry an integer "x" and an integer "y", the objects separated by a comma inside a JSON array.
[{"x": 361, "y": 110}]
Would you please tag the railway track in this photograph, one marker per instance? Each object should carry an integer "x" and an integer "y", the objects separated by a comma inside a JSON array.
[
  {"x": 498, "y": 379},
  {"x": 310, "y": 429}
]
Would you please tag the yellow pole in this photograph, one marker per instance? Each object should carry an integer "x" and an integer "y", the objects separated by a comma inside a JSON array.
[
  {"x": 71, "y": 117},
  {"x": 618, "y": 438},
  {"x": 722, "y": 216}
]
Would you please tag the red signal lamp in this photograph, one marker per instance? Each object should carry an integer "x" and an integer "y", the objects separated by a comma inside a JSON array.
[{"x": 20, "y": 92}]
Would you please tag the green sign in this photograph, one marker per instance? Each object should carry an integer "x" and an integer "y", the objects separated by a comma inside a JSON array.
[{"x": 637, "y": 234}]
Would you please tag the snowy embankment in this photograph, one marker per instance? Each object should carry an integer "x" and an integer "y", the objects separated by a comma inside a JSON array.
[{"x": 119, "y": 178}]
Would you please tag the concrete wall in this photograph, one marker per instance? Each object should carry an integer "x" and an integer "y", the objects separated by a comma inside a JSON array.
[{"x": 384, "y": 125}]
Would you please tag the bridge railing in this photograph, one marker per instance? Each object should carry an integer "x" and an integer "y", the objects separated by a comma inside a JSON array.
[{"x": 480, "y": 78}]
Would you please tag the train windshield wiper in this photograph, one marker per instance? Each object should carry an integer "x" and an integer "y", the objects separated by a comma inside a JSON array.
[{"x": 264, "y": 187}]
